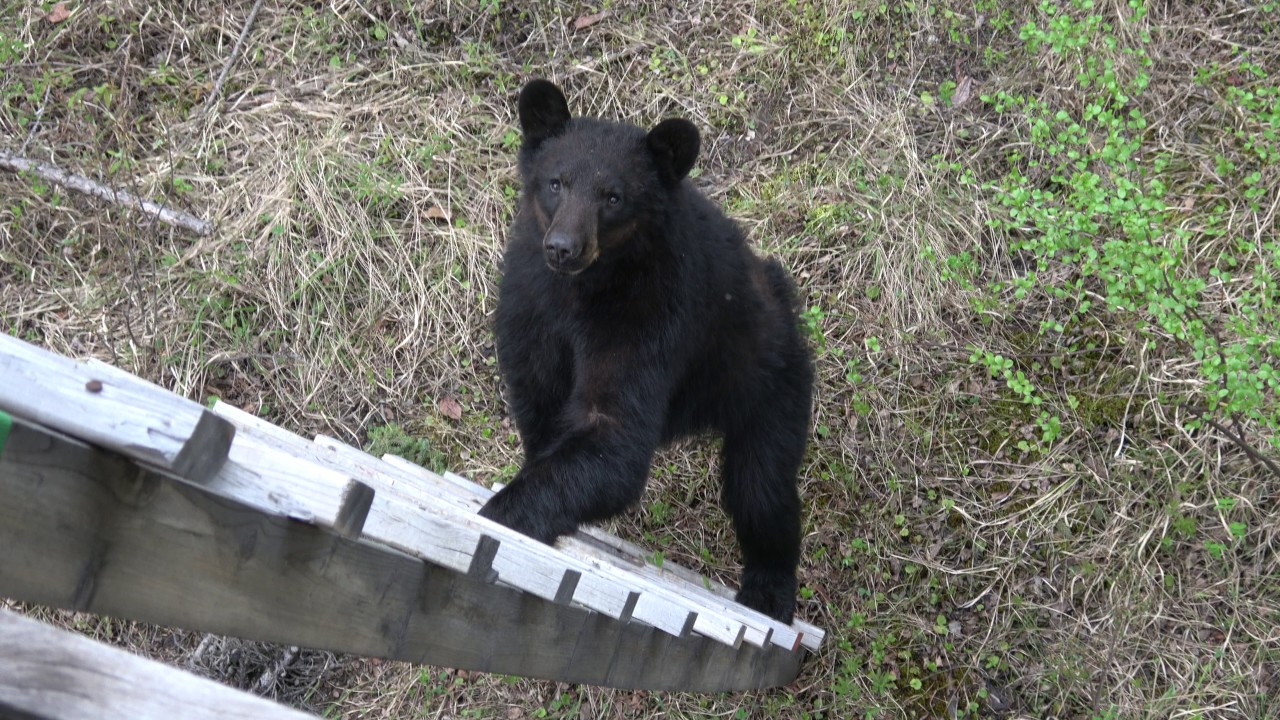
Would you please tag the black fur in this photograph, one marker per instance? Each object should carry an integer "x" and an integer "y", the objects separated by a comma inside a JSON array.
[{"x": 632, "y": 313}]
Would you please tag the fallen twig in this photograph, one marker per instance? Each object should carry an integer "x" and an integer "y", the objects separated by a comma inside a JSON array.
[
  {"x": 605, "y": 59},
  {"x": 271, "y": 676},
  {"x": 231, "y": 61},
  {"x": 83, "y": 184},
  {"x": 1238, "y": 439}
]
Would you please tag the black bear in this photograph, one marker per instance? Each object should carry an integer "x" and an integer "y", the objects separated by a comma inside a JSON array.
[{"x": 632, "y": 313}]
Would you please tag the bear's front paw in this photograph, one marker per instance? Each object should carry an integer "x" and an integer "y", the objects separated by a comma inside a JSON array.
[
  {"x": 770, "y": 592},
  {"x": 505, "y": 508}
]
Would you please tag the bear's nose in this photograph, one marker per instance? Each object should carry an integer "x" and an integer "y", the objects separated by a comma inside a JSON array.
[{"x": 559, "y": 248}]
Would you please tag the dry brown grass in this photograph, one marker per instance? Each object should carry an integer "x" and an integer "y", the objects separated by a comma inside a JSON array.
[{"x": 949, "y": 567}]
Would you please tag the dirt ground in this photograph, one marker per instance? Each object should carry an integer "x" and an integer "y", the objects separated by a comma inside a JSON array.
[{"x": 1036, "y": 243}]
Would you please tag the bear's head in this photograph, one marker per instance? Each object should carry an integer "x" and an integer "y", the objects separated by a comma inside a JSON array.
[{"x": 594, "y": 185}]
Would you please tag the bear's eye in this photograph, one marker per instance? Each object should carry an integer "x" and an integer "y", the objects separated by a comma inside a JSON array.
[
  {"x": 555, "y": 185},
  {"x": 613, "y": 198}
]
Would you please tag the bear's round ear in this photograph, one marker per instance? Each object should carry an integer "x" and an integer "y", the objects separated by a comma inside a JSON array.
[
  {"x": 674, "y": 144},
  {"x": 543, "y": 112}
]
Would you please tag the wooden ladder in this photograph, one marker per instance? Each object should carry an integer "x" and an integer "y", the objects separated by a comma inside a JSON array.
[{"x": 121, "y": 498}]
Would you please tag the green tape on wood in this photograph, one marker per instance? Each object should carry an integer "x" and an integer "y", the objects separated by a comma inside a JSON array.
[{"x": 6, "y": 423}]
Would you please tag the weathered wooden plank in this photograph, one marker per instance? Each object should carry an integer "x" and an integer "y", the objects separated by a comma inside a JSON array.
[
  {"x": 465, "y": 487},
  {"x": 654, "y": 606},
  {"x": 657, "y": 606},
  {"x": 523, "y": 564},
  {"x": 52, "y": 674},
  {"x": 593, "y": 544},
  {"x": 274, "y": 480},
  {"x": 809, "y": 636},
  {"x": 357, "y": 499},
  {"x": 160, "y": 550},
  {"x": 109, "y": 407},
  {"x": 468, "y": 496},
  {"x": 600, "y": 543},
  {"x": 520, "y": 562}
]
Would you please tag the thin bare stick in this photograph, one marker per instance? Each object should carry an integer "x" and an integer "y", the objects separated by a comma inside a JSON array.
[
  {"x": 269, "y": 677},
  {"x": 605, "y": 59},
  {"x": 1239, "y": 441},
  {"x": 80, "y": 183},
  {"x": 235, "y": 53},
  {"x": 1238, "y": 437}
]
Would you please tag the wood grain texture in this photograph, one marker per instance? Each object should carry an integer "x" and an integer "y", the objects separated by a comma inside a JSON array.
[
  {"x": 89, "y": 529},
  {"x": 656, "y": 606},
  {"x": 52, "y": 674},
  {"x": 419, "y": 525},
  {"x": 589, "y": 545},
  {"x": 401, "y": 502},
  {"x": 109, "y": 407},
  {"x": 357, "y": 499},
  {"x": 595, "y": 543}
]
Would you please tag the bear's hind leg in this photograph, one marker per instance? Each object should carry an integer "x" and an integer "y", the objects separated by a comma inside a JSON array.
[{"x": 759, "y": 464}]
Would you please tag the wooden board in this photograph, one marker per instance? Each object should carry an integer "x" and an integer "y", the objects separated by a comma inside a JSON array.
[
  {"x": 711, "y": 620},
  {"x": 421, "y": 486},
  {"x": 518, "y": 561},
  {"x": 52, "y": 674},
  {"x": 595, "y": 542},
  {"x": 90, "y": 530},
  {"x": 112, "y": 408}
]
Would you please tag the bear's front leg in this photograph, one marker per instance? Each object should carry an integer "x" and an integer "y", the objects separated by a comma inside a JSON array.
[
  {"x": 529, "y": 513},
  {"x": 587, "y": 477},
  {"x": 593, "y": 470}
]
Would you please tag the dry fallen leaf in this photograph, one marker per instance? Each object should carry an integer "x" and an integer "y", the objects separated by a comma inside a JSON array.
[
  {"x": 435, "y": 212},
  {"x": 58, "y": 13},
  {"x": 932, "y": 551},
  {"x": 963, "y": 91},
  {"x": 586, "y": 21},
  {"x": 450, "y": 407}
]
